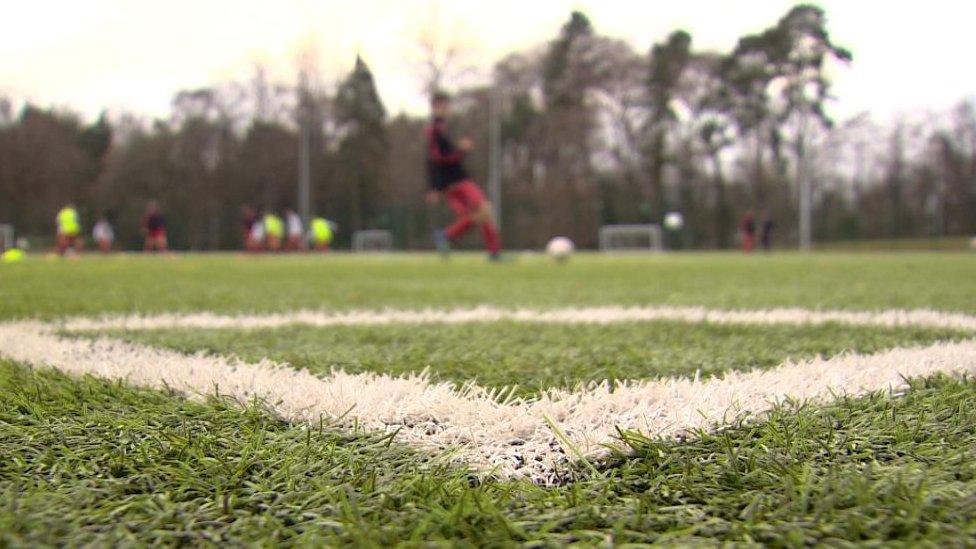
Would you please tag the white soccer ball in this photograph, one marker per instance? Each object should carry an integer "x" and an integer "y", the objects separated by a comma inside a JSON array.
[
  {"x": 674, "y": 221},
  {"x": 560, "y": 248}
]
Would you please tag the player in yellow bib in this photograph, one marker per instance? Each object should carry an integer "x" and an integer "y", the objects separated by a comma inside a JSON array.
[
  {"x": 68, "y": 230},
  {"x": 274, "y": 229},
  {"x": 321, "y": 234}
]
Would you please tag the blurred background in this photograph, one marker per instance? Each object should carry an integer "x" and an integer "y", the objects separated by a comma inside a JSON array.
[{"x": 839, "y": 122}]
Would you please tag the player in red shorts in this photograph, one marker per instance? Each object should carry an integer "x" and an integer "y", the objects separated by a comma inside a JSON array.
[
  {"x": 449, "y": 179},
  {"x": 748, "y": 228},
  {"x": 154, "y": 229}
]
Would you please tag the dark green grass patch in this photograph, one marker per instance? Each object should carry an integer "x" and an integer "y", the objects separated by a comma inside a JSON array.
[
  {"x": 94, "y": 462},
  {"x": 875, "y": 469},
  {"x": 536, "y": 356}
]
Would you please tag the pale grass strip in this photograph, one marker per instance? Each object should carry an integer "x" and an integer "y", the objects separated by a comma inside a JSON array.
[
  {"x": 510, "y": 438},
  {"x": 590, "y": 315}
]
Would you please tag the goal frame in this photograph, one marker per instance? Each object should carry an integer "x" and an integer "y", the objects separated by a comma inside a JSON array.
[
  {"x": 7, "y": 235},
  {"x": 361, "y": 238},
  {"x": 653, "y": 233}
]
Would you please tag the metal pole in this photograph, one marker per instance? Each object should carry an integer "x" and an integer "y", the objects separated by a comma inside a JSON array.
[
  {"x": 304, "y": 168},
  {"x": 941, "y": 188},
  {"x": 803, "y": 184},
  {"x": 494, "y": 156}
]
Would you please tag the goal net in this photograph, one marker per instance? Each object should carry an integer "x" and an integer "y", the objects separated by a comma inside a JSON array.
[
  {"x": 6, "y": 237},
  {"x": 631, "y": 238},
  {"x": 372, "y": 241}
]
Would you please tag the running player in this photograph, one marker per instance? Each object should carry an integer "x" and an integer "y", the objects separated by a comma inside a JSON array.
[
  {"x": 68, "y": 230},
  {"x": 154, "y": 229},
  {"x": 448, "y": 178}
]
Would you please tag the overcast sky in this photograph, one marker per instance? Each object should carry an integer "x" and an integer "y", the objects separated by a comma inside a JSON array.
[{"x": 134, "y": 54}]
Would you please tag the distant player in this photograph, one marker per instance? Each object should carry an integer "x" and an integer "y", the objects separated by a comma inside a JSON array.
[
  {"x": 320, "y": 234},
  {"x": 766, "y": 234},
  {"x": 154, "y": 229},
  {"x": 249, "y": 221},
  {"x": 103, "y": 234},
  {"x": 448, "y": 178},
  {"x": 257, "y": 236},
  {"x": 68, "y": 230},
  {"x": 274, "y": 229},
  {"x": 293, "y": 226},
  {"x": 748, "y": 228}
]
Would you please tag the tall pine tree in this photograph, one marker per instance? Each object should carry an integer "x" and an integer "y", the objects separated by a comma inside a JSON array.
[{"x": 363, "y": 147}]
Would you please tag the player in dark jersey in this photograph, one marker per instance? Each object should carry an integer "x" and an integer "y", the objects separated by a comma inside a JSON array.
[
  {"x": 154, "y": 229},
  {"x": 448, "y": 178},
  {"x": 251, "y": 229}
]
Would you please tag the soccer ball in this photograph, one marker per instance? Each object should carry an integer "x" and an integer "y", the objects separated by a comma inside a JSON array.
[
  {"x": 674, "y": 221},
  {"x": 560, "y": 248}
]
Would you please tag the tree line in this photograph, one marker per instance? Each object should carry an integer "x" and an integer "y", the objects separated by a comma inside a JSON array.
[{"x": 592, "y": 132}]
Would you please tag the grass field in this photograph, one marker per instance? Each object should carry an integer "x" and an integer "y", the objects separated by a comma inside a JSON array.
[{"x": 91, "y": 461}]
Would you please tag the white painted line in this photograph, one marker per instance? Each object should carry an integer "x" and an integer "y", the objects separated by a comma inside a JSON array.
[
  {"x": 591, "y": 315},
  {"x": 509, "y": 437}
]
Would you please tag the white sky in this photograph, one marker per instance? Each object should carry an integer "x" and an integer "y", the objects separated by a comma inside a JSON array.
[{"x": 134, "y": 54}]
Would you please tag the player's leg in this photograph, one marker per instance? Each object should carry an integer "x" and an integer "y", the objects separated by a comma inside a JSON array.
[
  {"x": 458, "y": 201},
  {"x": 69, "y": 245},
  {"x": 162, "y": 242},
  {"x": 482, "y": 215},
  {"x": 489, "y": 231}
]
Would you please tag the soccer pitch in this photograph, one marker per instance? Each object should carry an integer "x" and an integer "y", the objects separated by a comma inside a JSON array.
[{"x": 406, "y": 400}]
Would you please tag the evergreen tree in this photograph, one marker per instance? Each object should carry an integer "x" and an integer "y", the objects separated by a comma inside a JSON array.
[{"x": 364, "y": 146}]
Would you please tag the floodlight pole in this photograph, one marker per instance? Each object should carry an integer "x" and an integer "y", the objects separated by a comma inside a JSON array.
[
  {"x": 304, "y": 168},
  {"x": 494, "y": 155},
  {"x": 803, "y": 185}
]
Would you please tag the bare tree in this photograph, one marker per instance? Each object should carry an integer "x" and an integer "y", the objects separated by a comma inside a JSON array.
[{"x": 445, "y": 52}]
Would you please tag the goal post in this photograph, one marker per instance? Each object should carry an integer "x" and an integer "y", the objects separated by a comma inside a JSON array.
[
  {"x": 6, "y": 237},
  {"x": 631, "y": 238},
  {"x": 373, "y": 240}
]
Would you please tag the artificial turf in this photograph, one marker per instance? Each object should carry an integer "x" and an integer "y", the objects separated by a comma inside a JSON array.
[
  {"x": 537, "y": 356},
  {"x": 39, "y": 288},
  {"x": 90, "y": 462}
]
